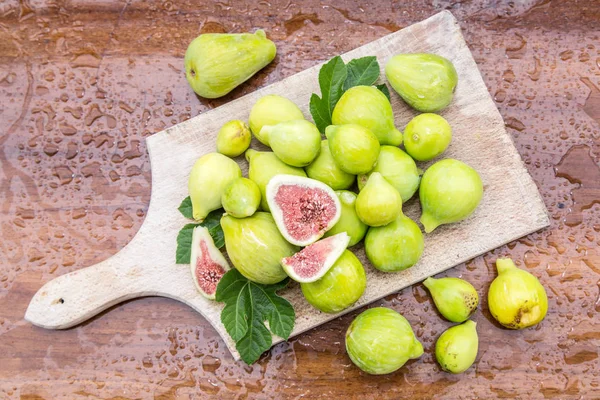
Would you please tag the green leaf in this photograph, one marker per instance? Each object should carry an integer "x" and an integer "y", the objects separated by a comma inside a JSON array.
[
  {"x": 384, "y": 89},
  {"x": 212, "y": 222},
  {"x": 233, "y": 315},
  {"x": 255, "y": 342},
  {"x": 319, "y": 113},
  {"x": 331, "y": 81},
  {"x": 186, "y": 208},
  {"x": 362, "y": 71},
  {"x": 279, "y": 312}
]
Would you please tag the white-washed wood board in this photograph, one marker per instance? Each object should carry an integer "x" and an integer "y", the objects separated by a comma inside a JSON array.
[{"x": 511, "y": 205}]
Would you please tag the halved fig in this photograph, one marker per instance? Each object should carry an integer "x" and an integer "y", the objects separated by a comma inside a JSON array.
[{"x": 206, "y": 263}]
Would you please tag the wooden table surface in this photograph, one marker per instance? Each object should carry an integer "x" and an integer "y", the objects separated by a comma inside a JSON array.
[{"x": 82, "y": 83}]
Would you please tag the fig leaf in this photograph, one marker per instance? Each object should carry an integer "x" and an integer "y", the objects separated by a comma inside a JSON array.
[
  {"x": 362, "y": 71},
  {"x": 384, "y": 89},
  {"x": 331, "y": 81},
  {"x": 185, "y": 208}
]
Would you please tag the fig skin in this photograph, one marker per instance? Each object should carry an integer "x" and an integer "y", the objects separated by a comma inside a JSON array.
[
  {"x": 395, "y": 246},
  {"x": 340, "y": 287},
  {"x": 241, "y": 198},
  {"x": 349, "y": 221},
  {"x": 255, "y": 247},
  {"x": 455, "y": 298},
  {"x": 427, "y": 136},
  {"x": 271, "y": 110},
  {"x": 398, "y": 168},
  {"x": 354, "y": 148},
  {"x": 296, "y": 142},
  {"x": 379, "y": 203},
  {"x": 216, "y": 63},
  {"x": 233, "y": 138},
  {"x": 209, "y": 177},
  {"x": 450, "y": 191},
  {"x": 263, "y": 165},
  {"x": 324, "y": 169},
  {"x": 516, "y": 298},
  {"x": 456, "y": 349},
  {"x": 380, "y": 341},
  {"x": 369, "y": 107},
  {"x": 425, "y": 81}
]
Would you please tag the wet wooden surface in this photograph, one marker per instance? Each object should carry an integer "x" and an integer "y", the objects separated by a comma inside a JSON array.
[{"x": 83, "y": 83}]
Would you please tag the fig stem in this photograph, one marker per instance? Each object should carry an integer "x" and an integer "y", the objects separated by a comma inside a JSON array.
[
  {"x": 429, "y": 223},
  {"x": 504, "y": 264},
  {"x": 429, "y": 282}
]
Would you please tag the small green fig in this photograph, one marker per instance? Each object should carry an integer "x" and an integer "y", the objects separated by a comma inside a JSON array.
[
  {"x": 271, "y": 110},
  {"x": 380, "y": 341},
  {"x": 241, "y": 198},
  {"x": 456, "y": 348},
  {"x": 398, "y": 168},
  {"x": 427, "y": 136},
  {"x": 425, "y": 81},
  {"x": 296, "y": 142},
  {"x": 349, "y": 221},
  {"x": 395, "y": 246},
  {"x": 354, "y": 148},
  {"x": 209, "y": 177},
  {"x": 340, "y": 287},
  {"x": 378, "y": 203},
  {"x": 450, "y": 191},
  {"x": 369, "y": 107},
  {"x": 216, "y": 63},
  {"x": 233, "y": 138},
  {"x": 324, "y": 169},
  {"x": 516, "y": 298},
  {"x": 255, "y": 247},
  {"x": 455, "y": 299},
  {"x": 263, "y": 165}
]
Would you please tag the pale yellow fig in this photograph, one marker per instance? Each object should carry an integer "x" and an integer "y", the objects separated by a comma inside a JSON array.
[
  {"x": 271, "y": 110},
  {"x": 378, "y": 203}
]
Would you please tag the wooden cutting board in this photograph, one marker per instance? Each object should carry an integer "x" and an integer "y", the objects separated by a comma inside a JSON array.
[{"x": 511, "y": 205}]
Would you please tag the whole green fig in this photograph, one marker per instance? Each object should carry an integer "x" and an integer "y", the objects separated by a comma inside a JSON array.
[
  {"x": 380, "y": 341},
  {"x": 340, "y": 287},
  {"x": 233, "y": 138},
  {"x": 398, "y": 168},
  {"x": 425, "y": 81},
  {"x": 255, "y": 247},
  {"x": 395, "y": 246},
  {"x": 209, "y": 177},
  {"x": 456, "y": 349},
  {"x": 215, "y": 63},
  {"x": 241, "y": 198},
  {"x": 369, "y": 107},
  {"x": 450, "y": 191},
  {"x": 271, "y": 110},
  {"x": 455, "y": 299},
  {"x": 324, "y": 169},
  {"x": 263, "y": 165},
  {"x": 378, "y": 203},
  {"x": 354, "y": 148},
  {"x": 349, "y": 221},
  {"x": 427, "y": 136},
  {"x": 296, "y": 142}
]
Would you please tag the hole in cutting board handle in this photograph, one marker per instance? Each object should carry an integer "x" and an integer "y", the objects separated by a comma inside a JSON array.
[{"x": 59, "y": 301}]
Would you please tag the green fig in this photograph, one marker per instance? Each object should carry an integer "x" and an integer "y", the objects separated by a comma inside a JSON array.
[
  {"x": 395, "y": 246},
  {"x": 427, "y": 136},
  {"x": 340, "y": 287},
  {"x": 450, "y": 191},
  {"x": 241, "y": 198},
  {"x": 209, "y": 177},
  {"x": 296, "y": 142},
  {"x": 378, "y": 203},
  {"x": 271, "y": 110},
  {"x": 233, "y": 138},
  {"x": 398, "y": 168},
  {"x": 354, "y": 148},
  {"x": 455, "y": 299},
  {"x": 516, "y": 298},
  {"x": 324, "y": 169},
  {"x": 255, "y": 247},
  {"x": 216, "y": 63},
  {"x": 380, "y": 341},
  {"x": 263, "y": 165},
  {"x": 425, "y": 81},
  {"x": 369, "y": 107},
  {"x": 456, "y": 349},
  {"x": 349, "y": 221}
]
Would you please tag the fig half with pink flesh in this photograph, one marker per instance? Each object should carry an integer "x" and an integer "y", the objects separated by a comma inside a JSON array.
[
  {"x": 303, "y": 208},
  {"x": 206, "y": 263},
  {"x": 313, "y": 261}
]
